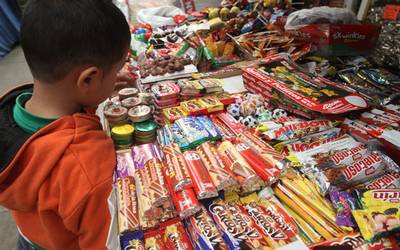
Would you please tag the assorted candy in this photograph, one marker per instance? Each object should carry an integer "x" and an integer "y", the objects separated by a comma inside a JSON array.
[{"x": 307, "y": 158}]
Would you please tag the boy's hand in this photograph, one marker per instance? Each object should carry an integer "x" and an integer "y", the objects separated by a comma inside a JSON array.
[{"x": 125, "y": 78}]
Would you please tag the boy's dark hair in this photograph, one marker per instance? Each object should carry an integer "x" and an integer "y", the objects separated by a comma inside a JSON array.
[{"x": 59, "y": 35}]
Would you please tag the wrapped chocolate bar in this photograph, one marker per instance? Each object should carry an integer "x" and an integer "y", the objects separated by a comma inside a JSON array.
[
  {"x": 268, "y": 153},
  {"x": 142, "y": 153},
  {"x": 297, "y": 130},
  {"x": 175, "y": 237},
  {"x": 178, "y": 136},
  {"x": 263, "y": 169},
  {"x": 387, "y": 181},
  {"x": 204, "y": 233},
  {"x": 225, "y": 131},
  {"x": 379, "y": 213},
  {"x": 186, "y": 203},
  {"x": 201, "y": 179},
  {"x": 344, "y": 203},
  {"x": 154, "y": 240},
  {"x": 132, "y": 241},
  {"x": 175, "y": 170},
  {"x": 125, "y": 164},
  {"x": 222, "y": 179},
  {"x": 256, "y": 237},
  {"x": 127, "y": 205},
  {"x": 232, "y": 232},
  {"x": 229, "y": 121},
  {"x": 210, "y": 127},
  {"x": 193, "y": 130},
  {"x": 249, "y": 181},
  {"x": 271, "y": 219}
]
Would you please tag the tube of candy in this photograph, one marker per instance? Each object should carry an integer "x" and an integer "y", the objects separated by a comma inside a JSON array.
[
  {"x": 266, "y": 172},
  {"x": 176, "y": 238},
  {"x": 175, "y": 169},
  {"x": 127, "y": 207},
  {"x": 201, "y": 179},
  {"x": 267, "y": 152},
  {"x": 204, "y": 233},
  {"x": 249, "y": 181},
  {"x": 222, "y": 179},
  {"x": 186, "y": 202}
]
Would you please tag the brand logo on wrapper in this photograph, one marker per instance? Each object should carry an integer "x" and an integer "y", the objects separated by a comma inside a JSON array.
[
  {"x": 366, "y": 164},
  {"x": 175, "y": 238},
  {"x": 339, "y": 157},
  {"x": 244, "y": 222},
  {"x": 207, "y": 229},
  {"x": 226, "y": 221},
  {"x": 192, "y": 157},
  {"x": 264, "y": 222},
  {"x": 352, "y": 36},
  {"x": 393, "y": 195},
  {"x": 385, "y": 182}
]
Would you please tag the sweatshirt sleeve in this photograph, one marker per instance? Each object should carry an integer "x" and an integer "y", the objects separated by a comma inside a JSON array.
[{"x": 91, "y": 220}]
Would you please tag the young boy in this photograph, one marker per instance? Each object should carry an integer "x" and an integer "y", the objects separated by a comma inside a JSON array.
[{"x": 56, "y": 164}]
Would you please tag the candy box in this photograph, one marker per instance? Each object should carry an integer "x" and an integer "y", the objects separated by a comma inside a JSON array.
[
  {"x": 194, "y": 107},
  {"x": 165, "y": 90},
  {"x": 212, "y": 104},
  {"x": 173, "y": 114},
  {"x": 284, "y": 83},
  {"x": 340, "y": 39}
]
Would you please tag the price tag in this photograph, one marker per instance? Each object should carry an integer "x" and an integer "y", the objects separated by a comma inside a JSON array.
[{"x": 391, "y": 12}]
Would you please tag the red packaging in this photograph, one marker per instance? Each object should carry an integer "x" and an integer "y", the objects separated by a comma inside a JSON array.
[
  {"x": 186, "y": 203},
  {"x": 267, "y": 152},
  {"x": 249, "y": 181},
  {"x": 154, "y": 240},
  {"x": 226, "y": 133},
  {"x": 201, "y": 179},
  {"x": 223, "y": 180},
  {"x": 267, "y": 172},
  {"x": 176, "y": 238},
  {"x": 235, "y": 126},
  {"x": 175, "y": 170}
]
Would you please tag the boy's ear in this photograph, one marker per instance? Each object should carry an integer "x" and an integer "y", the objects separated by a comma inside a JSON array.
[{"x": 89, "y": 78}]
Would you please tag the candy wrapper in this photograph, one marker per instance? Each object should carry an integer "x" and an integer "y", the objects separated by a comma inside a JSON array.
[
  {"x": 127, "y": 205},
  {"x": 201, "y": 179},
  {"x": 297, "y": 130},
  {"x": 176, "y": 238},
  {"x": 173, "y": 114},
  {"x": 263, "y": 169},
  {"x": 154, "y": 240},
  {"x": 211, "y": 128},
  {"x": 354, "y": 241},
  {"x": 186, "y": 202},
  {"x": 193, "y": 107},
  {"x": 234, "y": 233},
  {"x": 132, "y": 241},
  {"x": 249, "y": 181},
  {"x": 175, "y": 169},
  {"x": 142, "y": 153},
  {"x": 379, "y": 213},
  {"x": 193, "y": 130},
  {"x": 268, "y": 153},
  {"x": 177, "y": 136},
  {"x": 125, "y": 164},
  {"x": 222, "y": 179},
  {"x": 225, "y": 131},
  {"x": 344, "y": 203},
  {"x": 212, "y": 104},
  {"x": 204, "y": 233},
  {"x": 271, "y": 219},
  {"x": 228, "y": 120},
  {"x": 387, "y": 181}
]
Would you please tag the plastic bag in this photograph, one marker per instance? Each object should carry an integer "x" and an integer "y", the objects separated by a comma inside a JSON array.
[
  {"x": 320, "y": 15},
  {"x": 160, "y": 16}
]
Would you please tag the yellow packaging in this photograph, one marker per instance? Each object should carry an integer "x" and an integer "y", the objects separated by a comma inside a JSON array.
[{"x": 212, "y": 104}]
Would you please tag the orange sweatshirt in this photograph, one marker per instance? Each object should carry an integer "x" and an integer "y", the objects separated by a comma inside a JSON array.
[{"x": 57, "y": 181}]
